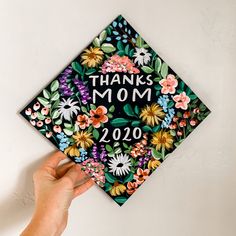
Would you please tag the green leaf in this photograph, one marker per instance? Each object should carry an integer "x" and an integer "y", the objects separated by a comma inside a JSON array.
[
  {"x": 202, "y": 107},
  {"x": 192, "y": 96},
  {"x": 136, "y": 109},
  {"x": 147, "y": 69},
  {"x": 96, "y": 42},
  {"x": 131, "y": 52},
  {"x": 121, "y": 53},
  {"x": 181, "y": 85},
  {"x": 139, "y": 42},
  {"x": 110, "y": 178},
  {"x": 128, "y": 110},
  {"x": 55, "y": 114},
  {"x": 46, "y": 93},
  {"x": 125, "y": 145},
  {"x": 156, "y": 154},
  {"x": 164, "y": 70},
  {"x": 157, "y": 79},
  {"x": 157, "y": 87},
  {"x": 55, "y": 96},
  {"x": 109, "y": 115},
  {"x": 84, "y": 109},
  {"x": 156, "y": 128},
  {"x": 170, "y": 104},
  {"x": 118, "y": 122},
  {"x": 112, "y": 108},
  {"x": 90, "y": 71},
  {"x": 54, "y": 85},
  {"x": 127, "y": 49},
  {"x": 92, "y": 106},
  {"x": 158, "y": 65},
  {"x": 120, "y": 199},
  {"x": 146, "y": 128},
  {"x": 109, "y": 148},
  {"x": 96, "y": 134},
  {"x": 102, "y": 36},
  {"x": 135, "y": 123},
  {"x": 173, "y": 132},
  {"x": 77, "y": 67},
  {"x": 40, "y": 116},
  {"x": 58, "y": 122},
  {"x": 120, "y": 46},
  {"x": 108, "y": 48},
  {"x": 68, "y": 131},
  {"x": 107, "y": 187},
  {"x": 128, "y": 177},
  {"x": 43, "y": 101},
  {"x": 67, "y": 125}
]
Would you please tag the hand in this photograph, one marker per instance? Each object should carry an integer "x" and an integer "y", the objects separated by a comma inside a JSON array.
[{"x": 55, "y": 187}]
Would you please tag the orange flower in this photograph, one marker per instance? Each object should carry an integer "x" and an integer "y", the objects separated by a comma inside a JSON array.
[
  {"x": 98, "y": 116},
  {"x": 131, "y": 187},
  {"x": 141, "y": 175},
  {"x": 82, "y": 121}
]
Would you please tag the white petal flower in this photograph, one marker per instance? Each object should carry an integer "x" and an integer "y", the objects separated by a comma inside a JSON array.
[
  {"x": 120, "y": 164},
  {"x": 67, "y": 108},
  {"x": 142, "y": 56}
]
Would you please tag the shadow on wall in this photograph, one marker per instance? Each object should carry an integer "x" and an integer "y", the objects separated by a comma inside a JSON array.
[{"x": 19, "y": 205}]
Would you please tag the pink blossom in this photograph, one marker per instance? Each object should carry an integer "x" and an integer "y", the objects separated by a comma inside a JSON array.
[
  {"x": 168, "y": 84},
  {"x": 117, "y": 63},
  {"x": 181, "y": 100}
]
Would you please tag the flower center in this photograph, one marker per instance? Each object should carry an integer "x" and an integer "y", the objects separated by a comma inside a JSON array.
[
  {"x": 96, "y": 116},
  {"x": 120, "y": 165},
  {"x": 66, "y": 106},
  {"x": 142, "y": 54},
  {"x": 162, "y": 140},
  {"x": 92, "y": 55}
]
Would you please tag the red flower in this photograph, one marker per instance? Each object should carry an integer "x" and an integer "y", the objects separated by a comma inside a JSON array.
[
  {"x": 98, "y": 116},
  {"x": 131, "y": 187},
  {"x": 141, "y": 175}
]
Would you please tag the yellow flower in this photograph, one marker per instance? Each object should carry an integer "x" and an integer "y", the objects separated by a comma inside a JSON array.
[
  {"x": 92, "y": 57},
  {"x": 162, "y": 139},
  {"x": 72, "y": 151},
  {"x": 117, "y": 189},
  {"x": 153, "y": 163},
  {"x": 151, "y": 115},
  {"x": 83, "y": 139}
]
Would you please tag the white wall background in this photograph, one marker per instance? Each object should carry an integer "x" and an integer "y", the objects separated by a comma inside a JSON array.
[{"x": 194, "y": 191}]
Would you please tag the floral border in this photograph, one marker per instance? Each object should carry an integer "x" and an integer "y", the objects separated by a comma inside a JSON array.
[{"x": 64, "y": 113}]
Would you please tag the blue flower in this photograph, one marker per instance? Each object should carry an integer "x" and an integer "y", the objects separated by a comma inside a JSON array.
[
  {"x": 163, "y": 101},
  {"x": 63, "y": 141},
  {"x": 83, "y": 156}
]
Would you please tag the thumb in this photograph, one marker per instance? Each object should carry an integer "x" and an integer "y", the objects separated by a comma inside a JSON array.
[{"x": 71, "y": 176}]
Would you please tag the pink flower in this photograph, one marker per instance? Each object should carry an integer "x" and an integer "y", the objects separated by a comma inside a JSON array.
[
  {"x": 28, "y": 111},
  {"x": 45, "y": 111},
  {"x": 57, "y": 128},
  {"x": 82, "y": 121},
  {"x": 181, "y": 100},
  {"x": 36, "y": 106},
  {"x": 182, "y": 123},
  {"x": 32, "y": 122},
  {"x": 193, "y": 122},
  {"x": 141, "y": 175},
  {"x": 39, "y": 123},
  {"x": 49, "y": 134},
  {"x": 168, "y": 84},
  {"x": 48, "y": 121}
]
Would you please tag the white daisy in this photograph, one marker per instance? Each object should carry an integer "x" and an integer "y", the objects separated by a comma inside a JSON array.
[
  {"x": 142, "y": 56},
  {"x": 67, "y": 108},
  {"x": 120, "y": 164}
]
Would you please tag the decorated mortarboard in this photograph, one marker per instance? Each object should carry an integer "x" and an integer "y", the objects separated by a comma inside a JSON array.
[{"x": 117, "y": 109}]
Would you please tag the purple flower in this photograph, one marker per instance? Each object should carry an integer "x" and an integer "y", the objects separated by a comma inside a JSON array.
[
  {"x": 63, "y": 87},
  {"x": 99, "y": 156},
  {"x": 83, "y": 90}
]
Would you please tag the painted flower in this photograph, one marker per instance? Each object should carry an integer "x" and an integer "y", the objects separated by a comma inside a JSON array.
[
  {"x": 45, "y": 111},
  {"x": 142, "y": 56},
  {"x": 82, "y": 121},
  {"x": 120, "y": 164},
  {"x": 169, "y": 84},
  {"x": 83, "y": 139},
  {"x": 72, "y": 151},
  {"x": 98, "y": 116},
  {"x": 57, "y": 128},
  {"x": 82, "y": 157},
  {"x": 63, "y": 141},
  {"x": 153, "y": 163},
  {"x": 36, "y": 106},
  {"x": 39, "y": 123},
  {"x": 152, "y": 115},
  {"x": 181, "y": 100},
  {"x": 118, "y": 63},
  {"x": 92, "y": 57},
  {"x": 162, "y": 139},
  {"x": 141, "y": 175},
  {"x": 67, "y": 108},
  {"x": 48, "y": 121},
  {"x": 117, "y": 189},
  {"x": 131, "y": 187},
  {"x": 49, "y": 134},
  {"x": 28, "y": 111}
]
